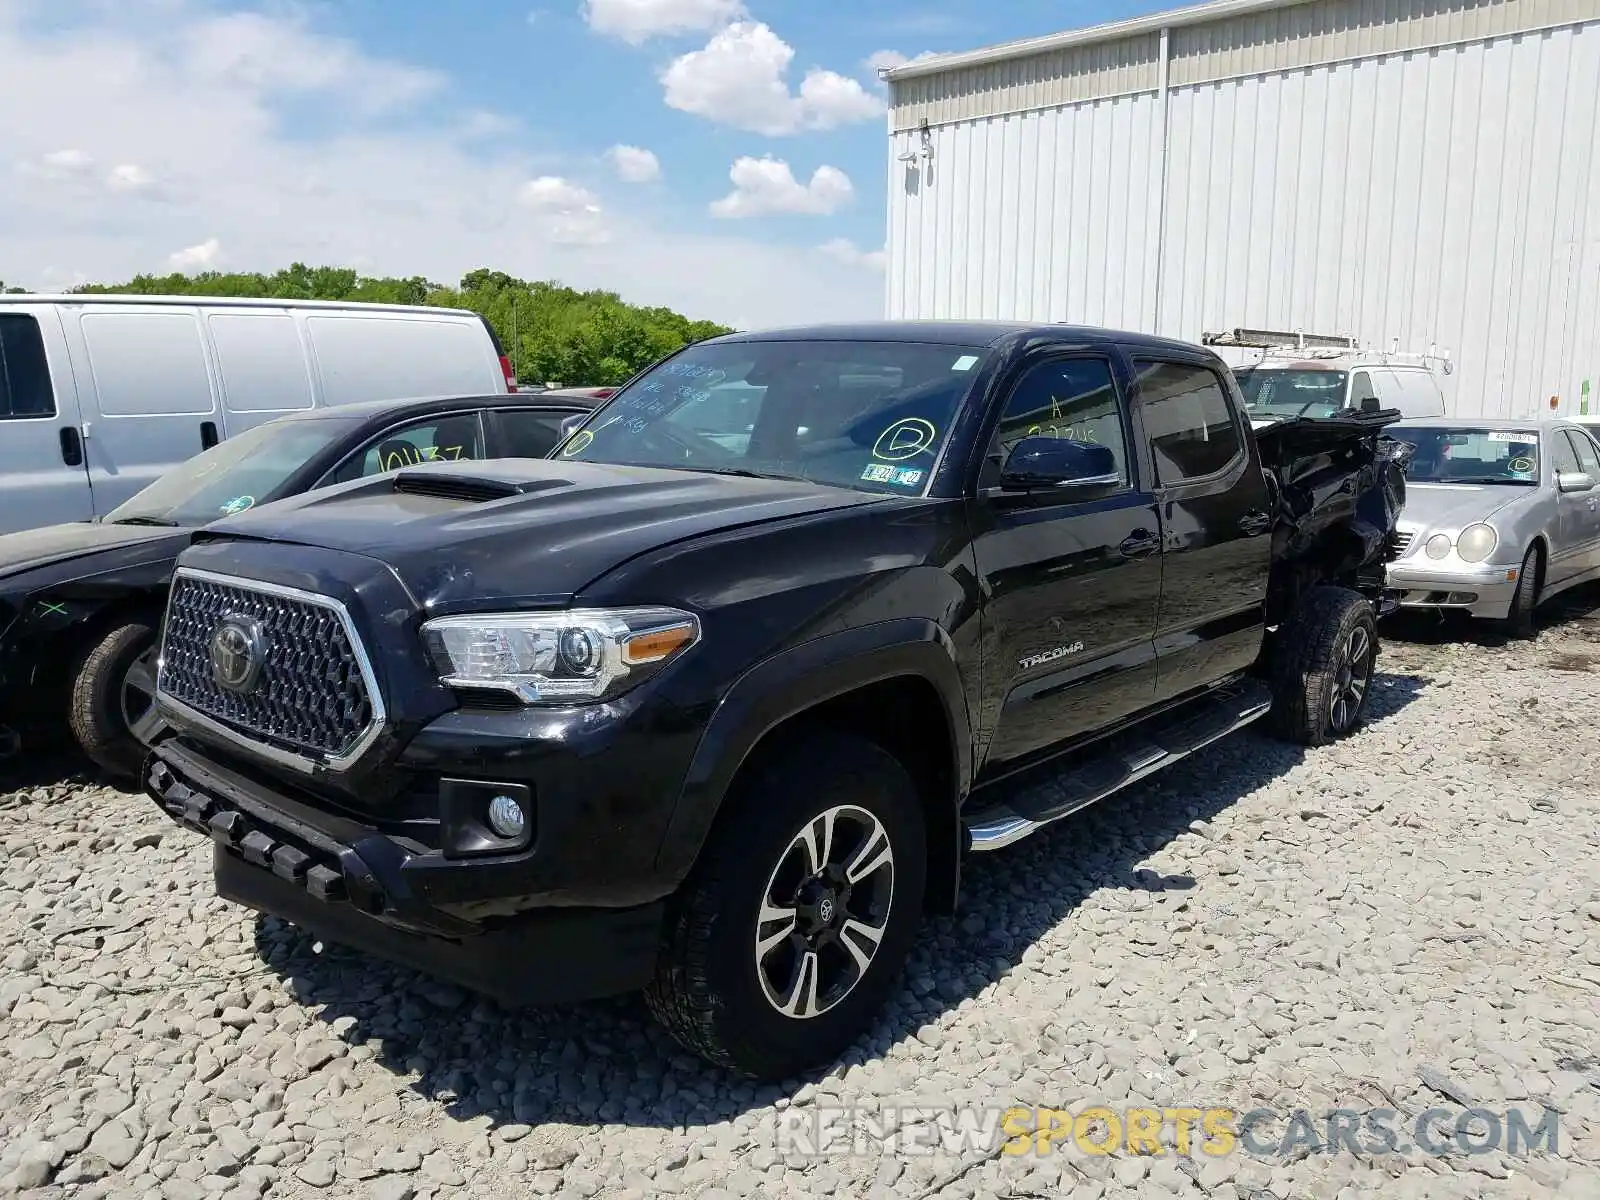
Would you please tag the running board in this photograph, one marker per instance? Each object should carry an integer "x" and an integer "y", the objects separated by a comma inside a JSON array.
[{"x": 1133, "y": 756}]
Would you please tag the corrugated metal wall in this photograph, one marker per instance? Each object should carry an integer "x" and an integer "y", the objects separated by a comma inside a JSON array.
[{"x": 1446, "y": 196}]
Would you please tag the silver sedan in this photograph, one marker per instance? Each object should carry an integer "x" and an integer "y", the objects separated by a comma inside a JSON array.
[{"x": 1498, "y": 515}]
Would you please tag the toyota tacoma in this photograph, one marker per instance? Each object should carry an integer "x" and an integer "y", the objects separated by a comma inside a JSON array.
[{"x": 715, "y": 701}]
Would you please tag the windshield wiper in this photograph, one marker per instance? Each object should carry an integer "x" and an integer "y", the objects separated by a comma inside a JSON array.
[{"x": 162, "y": 522}]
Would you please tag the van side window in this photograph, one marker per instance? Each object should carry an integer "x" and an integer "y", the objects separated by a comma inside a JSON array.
[
  {"x": 1188, "y": 420},
  {"x": 24, "y": 375}
]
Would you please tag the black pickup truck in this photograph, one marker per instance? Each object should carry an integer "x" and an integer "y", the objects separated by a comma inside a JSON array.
[{"x": 715, "y": 701}]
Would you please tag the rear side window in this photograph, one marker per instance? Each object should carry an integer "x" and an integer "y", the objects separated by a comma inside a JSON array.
[
  {"x": 263, "y": 366},
  {"x": 148, "y": 364},
  {"x": 457, "y": 437},
  {"x": 24, "y": 375},
  {"x": 1188, "y": 420},
  {"x": 528, "y": 433}
]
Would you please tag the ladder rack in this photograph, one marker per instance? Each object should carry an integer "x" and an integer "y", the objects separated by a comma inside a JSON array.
[{"x": 1281, "y": 343}]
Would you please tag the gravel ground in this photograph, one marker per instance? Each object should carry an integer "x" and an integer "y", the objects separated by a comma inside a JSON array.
[{"x": 1409, "y": 919}]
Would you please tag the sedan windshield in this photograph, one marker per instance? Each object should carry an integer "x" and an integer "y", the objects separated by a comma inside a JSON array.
[
  {"x": 1461, "y": 454},
  {"x": 857, "y": 414},
  {"x": 246, "y": 470},
  {"x": 1284, "y": 393}
]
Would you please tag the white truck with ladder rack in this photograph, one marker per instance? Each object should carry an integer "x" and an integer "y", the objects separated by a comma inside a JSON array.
[{"x": 1294, "y": 374}]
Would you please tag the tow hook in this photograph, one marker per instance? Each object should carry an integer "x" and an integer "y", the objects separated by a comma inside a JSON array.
[{"x": 1388, "y": 602}]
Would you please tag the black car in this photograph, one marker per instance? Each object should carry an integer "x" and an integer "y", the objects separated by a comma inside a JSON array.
[
  {"x": 715, "y": 701},
  {"x": 80, "y": 603}
]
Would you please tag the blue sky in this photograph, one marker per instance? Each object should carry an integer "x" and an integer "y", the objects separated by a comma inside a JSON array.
[{"x": 727, "y": 157}]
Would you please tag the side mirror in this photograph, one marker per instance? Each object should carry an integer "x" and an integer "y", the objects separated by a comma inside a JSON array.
[
  {"x": 569, "y": 425},
  {"x": 1047, "y": 462},
  {"x": 1574, "y": 481}
]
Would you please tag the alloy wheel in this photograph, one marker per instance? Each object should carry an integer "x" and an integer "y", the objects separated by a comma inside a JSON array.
[
  {"x": 1351, "y": 678},
  {"x": 824, "y": 911}
]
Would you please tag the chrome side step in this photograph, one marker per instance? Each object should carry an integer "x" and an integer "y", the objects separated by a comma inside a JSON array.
[{"x": 1135, "y": 756}]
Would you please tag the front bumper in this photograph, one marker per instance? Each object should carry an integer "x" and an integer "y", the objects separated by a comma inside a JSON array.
[
  {"x": 1480, "y": 591},
  {"x": 345, "y": 881}
]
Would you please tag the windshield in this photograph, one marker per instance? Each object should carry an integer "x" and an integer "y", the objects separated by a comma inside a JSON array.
[
  {"x": 857, "y": 414},
  {"x": 1296, "y": 393},
  {"x": 232, "y": 476},
  {"x": 1460, "y": 454}
]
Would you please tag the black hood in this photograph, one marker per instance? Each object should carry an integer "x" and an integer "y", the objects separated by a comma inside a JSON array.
[
  {"x": 524, "y": 527},
  {"x": 61, "y": 543}
]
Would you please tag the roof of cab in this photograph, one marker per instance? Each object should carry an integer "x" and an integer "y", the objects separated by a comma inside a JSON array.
[
  {"x": 959, "y": 333},
  {"x": 226, "y": 302}
]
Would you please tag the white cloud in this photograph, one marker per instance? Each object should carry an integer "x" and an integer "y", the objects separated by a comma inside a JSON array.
[
  {"x": 637, "y": 21},
  {"x": 569, "y": 214},
  {"x": 130, "y": 177},
  {"x": 197, "y": 258},
  {"x": 843, "y": 250},
  {"x": 281, "y": 55},
  {"x": 767, "y": 185},
  {"x": 392, "y": 192},
  {"x": 59, "y": 165},
  {"x": 740, "y": 79},
  {"x": 634, "y": 165}
]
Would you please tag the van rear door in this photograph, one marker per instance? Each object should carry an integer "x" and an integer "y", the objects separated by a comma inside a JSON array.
[
  {"x": 147, "y": 394},
  {"x": 43, "y": 478},
  {"x": 397, "y": 356}
]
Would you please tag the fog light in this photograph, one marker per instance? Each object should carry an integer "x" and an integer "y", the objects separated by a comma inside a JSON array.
[
  {"x": 506, "y": 817},
  {"x": 1438, "y": 546}
]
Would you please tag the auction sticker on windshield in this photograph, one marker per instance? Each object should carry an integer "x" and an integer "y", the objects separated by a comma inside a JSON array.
[
  {"x": 1511, "y": 435},
  {"x": 237, "y": 505}
]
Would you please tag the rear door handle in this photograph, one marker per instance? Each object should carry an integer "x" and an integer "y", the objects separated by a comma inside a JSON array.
[
  {"x": 1254, "y": 523},
  {"x": 71, "y": 447},
  {"x": 1139, "y": 544}
]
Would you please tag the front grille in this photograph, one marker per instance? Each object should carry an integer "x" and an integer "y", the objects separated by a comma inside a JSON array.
[
  {"x": 311, "y": 697},
  {"x": 1402, "y": 541}
]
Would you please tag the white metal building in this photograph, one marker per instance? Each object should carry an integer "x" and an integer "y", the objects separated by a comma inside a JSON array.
[{"x": 1426, "y": 171}]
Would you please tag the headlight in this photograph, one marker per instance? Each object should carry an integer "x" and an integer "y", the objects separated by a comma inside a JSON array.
[
  {"x": 1475, "y": 543},
  {"x": 558, "y": 657},
  {"x": 1438, "y": 546}
]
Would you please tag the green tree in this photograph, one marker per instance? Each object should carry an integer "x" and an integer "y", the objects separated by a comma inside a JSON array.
[{"x": 551, "y": 332}]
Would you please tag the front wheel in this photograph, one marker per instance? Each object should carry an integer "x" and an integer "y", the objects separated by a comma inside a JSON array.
[
  {"x": 796, "y": 922},
  {"x": 1518, "y": 621},
  {"x": 112, "y": 708},
  {"x": 1324, "y": 667}
]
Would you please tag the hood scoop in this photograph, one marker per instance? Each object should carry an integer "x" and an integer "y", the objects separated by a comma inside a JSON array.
[{"x": 473, "y": 489}]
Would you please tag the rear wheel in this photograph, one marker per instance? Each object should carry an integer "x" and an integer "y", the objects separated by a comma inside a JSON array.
[
  {"x": 112, "y": 707},
  {"x": 1518, "y": 621},
  {"x": 789, "y": 935},
  {"x": 1324, "y": 667}
]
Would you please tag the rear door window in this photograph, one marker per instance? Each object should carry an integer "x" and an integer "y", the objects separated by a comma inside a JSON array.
[
  {"x": 25, "y": 390},
  {"x": 148, "y": 364},
  {"x": 529, "y": 433},
  {"x": 1188, "y": 420}
]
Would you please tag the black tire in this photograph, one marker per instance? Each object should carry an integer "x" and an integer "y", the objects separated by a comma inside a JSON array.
[
  {"x": 711, "y": 988},
  {"x": 1518, "y": 621},
  {"x": 101, "y": 710},
  {"x": 1323, "y": 668}
]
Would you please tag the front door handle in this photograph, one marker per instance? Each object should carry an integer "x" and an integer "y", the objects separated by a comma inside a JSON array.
[
  {"x": 71, "y": 447},
  {"x": 1141, "y": 543},
  {"x": 1254, "y": 523}
]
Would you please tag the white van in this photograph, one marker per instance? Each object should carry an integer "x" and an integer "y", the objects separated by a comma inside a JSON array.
[
  {"x": 101, "y": 394},
  {"x": 1293, "y": 374}
]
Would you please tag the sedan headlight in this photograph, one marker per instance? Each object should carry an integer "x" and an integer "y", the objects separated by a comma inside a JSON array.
[
  {"x": 1475, "y": 543},
  {"x": 566, "y": 657},
  {"x": 1438, "y": 546}
]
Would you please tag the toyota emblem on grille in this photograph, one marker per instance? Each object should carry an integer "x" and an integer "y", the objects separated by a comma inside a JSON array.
[{"x": 238, "y": 653}]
